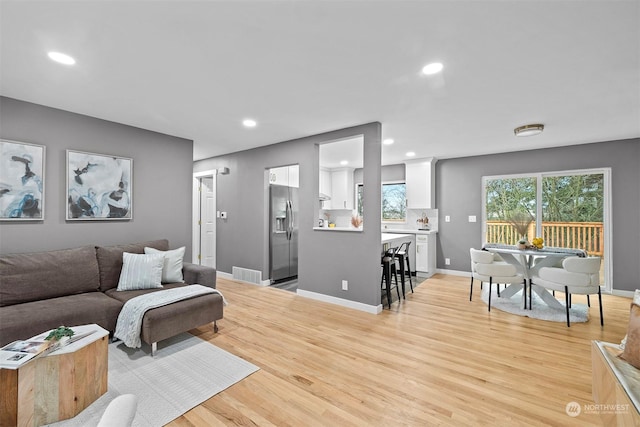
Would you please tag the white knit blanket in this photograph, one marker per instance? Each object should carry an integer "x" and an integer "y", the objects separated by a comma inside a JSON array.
[{"x": 130, "y": 318}]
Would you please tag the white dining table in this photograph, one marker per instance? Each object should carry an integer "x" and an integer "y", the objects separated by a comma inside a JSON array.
[{"x": 523, "y": 260}]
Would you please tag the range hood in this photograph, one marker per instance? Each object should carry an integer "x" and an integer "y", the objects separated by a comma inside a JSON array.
[{"x": 323, "y": 197}]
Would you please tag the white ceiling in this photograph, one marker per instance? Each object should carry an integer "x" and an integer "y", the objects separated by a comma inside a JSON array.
[
  {"x": 196, "y": 69},
  {"x": 333, "y": 154}
]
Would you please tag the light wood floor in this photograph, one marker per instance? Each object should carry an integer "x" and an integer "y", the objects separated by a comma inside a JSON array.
[{"x": 434, "y": 359}]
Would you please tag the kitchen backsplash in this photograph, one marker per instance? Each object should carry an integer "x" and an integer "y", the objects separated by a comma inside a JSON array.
[
  {"x": 342, "y": 218},
  {"x": 414, "y": 214}
]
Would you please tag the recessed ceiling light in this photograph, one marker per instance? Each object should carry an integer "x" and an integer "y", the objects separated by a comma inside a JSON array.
[
  {"x": 529, "y": 130},
  {"x": 344, "y": 162},
  {"x": 433, "y": 68},
  {"x": 388, "y": 141},
  {"x": 410, "y": 154},
  {"x": 61, "y": 58},
  {"x": 249, "y": 123}
]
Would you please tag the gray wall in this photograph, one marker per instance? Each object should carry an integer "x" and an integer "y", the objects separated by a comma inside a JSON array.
[
  {"x": 162, "y": 180},
  {"x": 325, "y": 257},
  {"x": 389, "y": 173},
  {"x": 459, "y": 192}
]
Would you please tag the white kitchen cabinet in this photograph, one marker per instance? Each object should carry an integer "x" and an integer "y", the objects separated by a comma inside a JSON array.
[
  {"x": 420, "y": 180},
  {"x": 325, "y": 182},
  {"x": 342, "y": 189},
  {"x": 285, "y": 175},
  {"x": 294, "y": 176},
  {"x": 425, "y": 254}
]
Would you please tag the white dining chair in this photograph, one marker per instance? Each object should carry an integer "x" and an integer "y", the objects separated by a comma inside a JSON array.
[
  {"x": 578, "y": 275},
  {"x": 486, "y": 268}
]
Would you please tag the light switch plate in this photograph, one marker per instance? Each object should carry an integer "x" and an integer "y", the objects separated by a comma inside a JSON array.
[
  {"x": 223, "y": 215},
  {"x": 472, "y": 218},
  {"x": 447, "y": 218}
]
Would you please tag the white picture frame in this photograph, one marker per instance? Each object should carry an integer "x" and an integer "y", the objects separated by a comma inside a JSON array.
[{"x": 22, "y": 178}]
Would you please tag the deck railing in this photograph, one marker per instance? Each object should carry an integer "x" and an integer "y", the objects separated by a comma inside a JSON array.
[{"x": 588, "y": 236}]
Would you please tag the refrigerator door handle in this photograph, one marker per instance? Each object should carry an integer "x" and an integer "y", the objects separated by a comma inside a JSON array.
[{"x": 289, "y": 220}]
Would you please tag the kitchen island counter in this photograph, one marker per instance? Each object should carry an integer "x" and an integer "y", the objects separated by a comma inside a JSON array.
[
  {"x": 390, "y": 237},
  {"x": 408, "y": 231}
]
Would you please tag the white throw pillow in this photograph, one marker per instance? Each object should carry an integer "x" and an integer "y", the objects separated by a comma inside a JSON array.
[
  {"x": 140, "y": 271},
  {"x": 172, "y": 268}
]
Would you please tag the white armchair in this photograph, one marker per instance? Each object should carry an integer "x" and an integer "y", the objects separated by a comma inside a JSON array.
[
  {"x": 486, "y": 268},
  {"x": 576, "y": 276}
]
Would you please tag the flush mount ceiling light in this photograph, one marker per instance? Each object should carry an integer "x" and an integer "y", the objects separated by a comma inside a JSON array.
[
  {"x": 61, "y": 58},
  {"x": 529, "y": 130},
  {"x": 249, "y": 123},
  {"x": 432, "y": 68},
  {"x": 344, "y": 162},
  {"x": 388, "y": 141},
  {"x": 410, "y": 154}
]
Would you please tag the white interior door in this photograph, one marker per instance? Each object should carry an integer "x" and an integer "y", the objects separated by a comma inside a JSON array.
[
  {"x": 204, "y": 218},
  {"x": 207, "y": 222}
]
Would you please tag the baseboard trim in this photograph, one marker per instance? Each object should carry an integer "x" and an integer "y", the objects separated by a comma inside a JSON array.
[
  {"x": 628, "y": 294},
  {"x": 620, "y": 293},
  {"x": 341, "y": 301}
]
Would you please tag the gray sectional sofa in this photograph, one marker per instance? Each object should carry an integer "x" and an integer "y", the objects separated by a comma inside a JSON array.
[{"x": 43, "y": 290}]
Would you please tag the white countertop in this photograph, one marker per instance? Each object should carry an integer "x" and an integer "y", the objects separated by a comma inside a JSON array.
[
  {"x": 338, "y": 229},
  {"x": 384, "y": 230},
  {"x": 408, "y": 231},
  {"x": 390, "y": 237}
]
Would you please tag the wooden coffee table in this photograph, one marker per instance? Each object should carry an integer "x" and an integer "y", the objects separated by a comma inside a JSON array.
[{"x": 59, "y": 385}]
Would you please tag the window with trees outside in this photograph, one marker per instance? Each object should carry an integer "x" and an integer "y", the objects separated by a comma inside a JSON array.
[
  {"x": 567, "y": 209},
  {"x": 394, "y": 201}
]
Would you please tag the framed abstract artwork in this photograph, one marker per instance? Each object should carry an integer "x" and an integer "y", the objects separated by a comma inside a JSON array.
[
  {"x": 99, "y": 187},
  {"x": 21, "y": 181}
]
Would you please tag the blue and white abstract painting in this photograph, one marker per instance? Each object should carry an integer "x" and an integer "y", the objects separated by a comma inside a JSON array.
[
  {"x": 98, "y": 187},
  {"x": 21, "y": 181}
]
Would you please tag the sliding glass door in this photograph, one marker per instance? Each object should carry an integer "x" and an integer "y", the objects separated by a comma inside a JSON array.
[
  {"x": 568, "y": 209},
  {"x": 510, "y": 205}
]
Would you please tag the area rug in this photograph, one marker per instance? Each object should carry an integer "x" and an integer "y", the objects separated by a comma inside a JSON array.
[
  {"x": 185, "y": 372},
  {"x": 577, "y": 312}
]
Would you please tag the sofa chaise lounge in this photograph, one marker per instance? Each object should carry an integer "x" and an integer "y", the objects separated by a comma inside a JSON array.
[{"x": 43, "y": 290}]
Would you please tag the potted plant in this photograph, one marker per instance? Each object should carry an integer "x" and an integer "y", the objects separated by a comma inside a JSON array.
[
  {"x": 522, "y": 243},
  {"x": 60, "y": 335}
]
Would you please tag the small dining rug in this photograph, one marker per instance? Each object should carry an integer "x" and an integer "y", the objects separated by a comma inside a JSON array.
[
  {"x": 578, "y": 313},
  {"x": 185, "y": 372}
]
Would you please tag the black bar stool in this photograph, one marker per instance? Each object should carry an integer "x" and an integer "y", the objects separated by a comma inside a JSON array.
[
  {"x": 403, "y": 257},
  {"x": 388, "y": 263}
]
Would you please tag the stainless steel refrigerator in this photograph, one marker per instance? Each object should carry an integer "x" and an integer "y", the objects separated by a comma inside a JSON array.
[{"x": 283, "y": 231}]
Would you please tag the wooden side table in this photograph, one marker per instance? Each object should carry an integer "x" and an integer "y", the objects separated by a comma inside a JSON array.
[{"x": 57, "y": 386}]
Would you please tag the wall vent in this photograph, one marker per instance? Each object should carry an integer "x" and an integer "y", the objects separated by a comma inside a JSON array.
[{"x": 247, "y": 275}]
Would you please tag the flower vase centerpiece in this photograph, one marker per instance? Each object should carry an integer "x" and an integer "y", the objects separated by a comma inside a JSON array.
[
  {"x": 520, "y": 221},
  {"x": 423, "y": 222}
]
